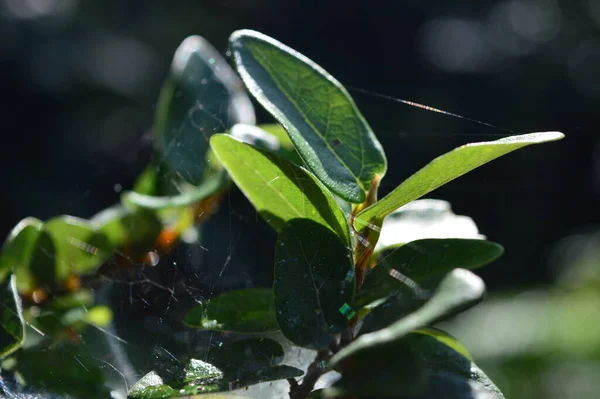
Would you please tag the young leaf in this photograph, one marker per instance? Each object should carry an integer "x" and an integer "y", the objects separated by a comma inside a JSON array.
[
  {"x": 458, "y": 290},
  {"x": 444, "y": 169},
  {"x": 313, "y": 283},
  {"x": 328, "y": 131},
  {"x": 242, "y": 311},
  {"x": 426, "y": 218},
  {"x": 202, "y": 95},
  {"x": 12, "y": 327},
  {"x": 279, "y": 190},
  {"x": 422, "y": 260}
]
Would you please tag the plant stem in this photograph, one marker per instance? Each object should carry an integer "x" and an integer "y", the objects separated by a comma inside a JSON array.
[{"x": 314, "y": 371}]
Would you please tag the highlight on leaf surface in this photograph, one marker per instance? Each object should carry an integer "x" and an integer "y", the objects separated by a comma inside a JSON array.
[
  {"x": 322, "y": 120},
  {"x": 279, "y": 190},
  {"x": 444, "y": 169}
]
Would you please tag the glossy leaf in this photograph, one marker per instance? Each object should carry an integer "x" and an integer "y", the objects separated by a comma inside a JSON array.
[
  {"x": 422, "y": 260},
  {"x": 444, "y": 169},
  {"x": 451, "y": 374},
  {"x": 202, "y": 95},
  {"x": 427, "y": 364},
  {"x": 457, "y": 291},
  {"x": 125, "y": 228},
  {"x": 242, "y": 311},
  {"x": 323, "y": 122},
  {"x": 279, "y": 190},
  {"x": 313, "y": 283},
  {"x": 79, "y": 248},
  {"x": 12, "y": 327},
  {"x": 426, "y": 218}
]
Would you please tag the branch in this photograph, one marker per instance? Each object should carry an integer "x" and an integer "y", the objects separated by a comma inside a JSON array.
[{"x": 314, "y": 371}]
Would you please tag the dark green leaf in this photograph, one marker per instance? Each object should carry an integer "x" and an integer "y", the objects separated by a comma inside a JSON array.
[
  {"x": 420, "y": 219},
  {"x": 279, "y": 190},
  {"x": 444, "y": 169},
  {"x": 391, "y": 370},
  {"x": 125, "y": 228},
  {"x": 323, "y": 122},
  {"x": 423, "y": 260},
  {"x": 78, "y": 248},
  {"x": 201, "y": 96},
  {"x": 243, "y": 311},
  {"x": 451, "y": 374},
  {"x": 12, "y": 327},
  {"x": 394, "y": 320},
  {"x": 313, "y": 283},
  {"x": 65, "y": 370}
]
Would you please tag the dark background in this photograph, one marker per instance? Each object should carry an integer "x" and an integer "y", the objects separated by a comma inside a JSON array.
[{"x": 80, "y": 80}]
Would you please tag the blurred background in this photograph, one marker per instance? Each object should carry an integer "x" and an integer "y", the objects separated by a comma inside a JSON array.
[{"x": 81, "y": 79}]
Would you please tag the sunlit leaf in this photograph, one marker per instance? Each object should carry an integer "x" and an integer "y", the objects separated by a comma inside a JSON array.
[
  {"x": 394, "y": 320},
  {"x": 12, "y": 327},
  {"x": 444, "y": 169},
  {"x": 420, "y": 219},
  {"x": 313, "y": 283},
  {"x": 422, "y": 260},
  {"x": 279, "y": 190},
  {"x": 328, "y": 131},
  {"x": 242, "y": 311},
  {"x": 202, "y": 95}
]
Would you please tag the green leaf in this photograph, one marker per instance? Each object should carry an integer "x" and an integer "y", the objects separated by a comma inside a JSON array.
[
  {"x": 271, "y": 137},
  {"x": 232, "y": 366},
  {"x": 313, "y": 283},
  {"x": 63, "y": 370},
  {"x": 323, "y": 122},
  {"x": 444, "y": 169},
  {"x": 78, "y": 247},
  {"x": 451, "y": 374},
  {"x": 19, "y": 246},
  {"x": 427, "y": 364},
  {"x": 204, "y": 190},
  {"x": 420, "y": 219},
  {"x": 457, "y": 291},
  {"x": 12, "y": 327},
  {"x": 202, "y": 95},
  {"x": 279, "y": 190},
  {"x": 242, "y": 311},
  {"x": 422, "y": 260},
  {"x": 126, "y": 228}
]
